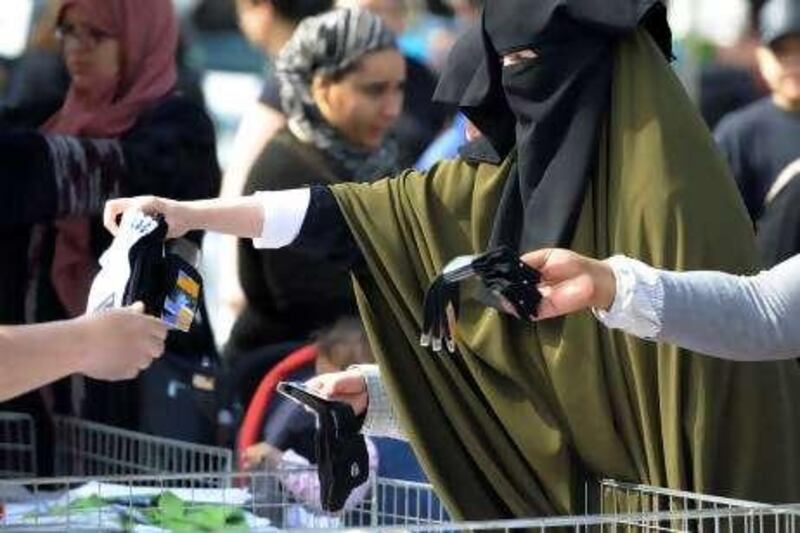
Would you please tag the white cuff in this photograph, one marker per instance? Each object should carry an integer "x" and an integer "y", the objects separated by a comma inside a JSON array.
[
  {"x": 639, "y": 301},
  {"x": 380, "y": 420},
  {"x": 284, "y": 213}
]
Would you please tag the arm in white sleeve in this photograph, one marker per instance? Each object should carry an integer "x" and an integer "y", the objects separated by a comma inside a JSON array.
[
  {"x": 380, "y": 420},
  {"x": 284, "y": 213},
  {"x": 310, "y": 222},
  {"x": 744, "y": 318}
]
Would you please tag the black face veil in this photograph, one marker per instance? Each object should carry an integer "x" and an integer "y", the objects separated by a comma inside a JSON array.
[
  {"x": 550, "y": 106},
  {"x": 464, "y": 82}
]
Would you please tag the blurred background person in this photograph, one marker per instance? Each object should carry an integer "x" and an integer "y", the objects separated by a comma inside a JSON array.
[
  {"x": 39, "y": 80},
  {"x": 267, "y": 25},
  {"x": 422, "y": 119},
  {"x": 762, "y": 139},
  {"x": 778, "y": 231},
  {"x": 123, "y": 128},
  {"x": 341, "y": 82}
]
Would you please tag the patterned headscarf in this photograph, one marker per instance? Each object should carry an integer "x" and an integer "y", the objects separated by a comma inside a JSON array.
[{"x": 327, "y": 45}]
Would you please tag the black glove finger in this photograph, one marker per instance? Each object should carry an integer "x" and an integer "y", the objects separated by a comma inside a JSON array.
[
  {"x": 436, "y": 333},
  {"x": 524, "y": 300},
  {"x": 450, "y": 342},
  {"x": 451, "y": 317},
  {"x": 428, "y": 312}
]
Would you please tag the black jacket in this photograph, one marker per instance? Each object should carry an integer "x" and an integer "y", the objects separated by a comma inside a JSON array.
[
  {"x": 170, "y": 151},
  {"x": 288, "y": 295}
]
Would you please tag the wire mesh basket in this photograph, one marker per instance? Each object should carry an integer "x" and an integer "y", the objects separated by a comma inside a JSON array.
[
  {"x": 89, "y": 449},
  {"x": 17, "y": 445},
  {"x": 260, "y": 501},
  {"x": 123, "y": 480}
]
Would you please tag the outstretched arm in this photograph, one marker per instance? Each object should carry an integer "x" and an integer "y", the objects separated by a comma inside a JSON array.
[
  {"x": 242, "y": 217},
  {"x": 307, "y": 219},
  {"x": 111, "y": 345},
  {"x": 745, "y": 318}
]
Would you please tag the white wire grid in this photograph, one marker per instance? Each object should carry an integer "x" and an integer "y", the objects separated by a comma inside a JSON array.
[
  {"x": 89, "y": 449},
  {"x": 120, "y": 466},
  {"x": 85, "y": 448}
]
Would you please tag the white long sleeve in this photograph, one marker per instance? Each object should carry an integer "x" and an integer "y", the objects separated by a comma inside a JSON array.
[{"x": 380, "y": 420}]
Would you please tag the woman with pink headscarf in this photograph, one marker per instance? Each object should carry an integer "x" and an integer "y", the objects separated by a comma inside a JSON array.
[{"x": 123, "y": 130}]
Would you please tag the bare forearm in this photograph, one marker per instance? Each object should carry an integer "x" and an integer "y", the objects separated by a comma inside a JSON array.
[
  {"x": 32, "y": 356},
  {"x": 242, "y": 216}
]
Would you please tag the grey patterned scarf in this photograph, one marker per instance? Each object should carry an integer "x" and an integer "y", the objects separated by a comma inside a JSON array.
[{"x": 327, "y": 45}]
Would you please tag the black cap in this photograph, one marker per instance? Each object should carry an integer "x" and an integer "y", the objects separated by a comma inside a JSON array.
[{"x": 778, "y": 19}]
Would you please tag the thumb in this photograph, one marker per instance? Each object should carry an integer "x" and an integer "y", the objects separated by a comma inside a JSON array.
[{"x": 538, "y": 258}]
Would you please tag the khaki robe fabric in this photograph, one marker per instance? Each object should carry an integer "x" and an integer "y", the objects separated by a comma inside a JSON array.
[{"x": 513, "y": 424}]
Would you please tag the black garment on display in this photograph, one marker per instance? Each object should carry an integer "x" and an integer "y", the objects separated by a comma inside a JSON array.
[
  {"x": 163, "y": 276},
  {"x": 508, "y": 282},
  {"x": 342, "y": 459},
  {"x": 340, "y": 448}
]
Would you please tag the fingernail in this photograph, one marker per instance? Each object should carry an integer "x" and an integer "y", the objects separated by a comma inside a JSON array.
[{"x": 437, "y": 344}]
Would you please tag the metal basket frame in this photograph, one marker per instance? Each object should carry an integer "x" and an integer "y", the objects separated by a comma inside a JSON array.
[
  {"x": 89, "y": 449},
  {"x": 88, "y": 452},
  {"x": 17, "y": 445}
]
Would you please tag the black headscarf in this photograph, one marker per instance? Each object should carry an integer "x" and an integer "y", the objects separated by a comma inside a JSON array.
[
  {"x": 464, "y": 82},
  {"x": 551, "y": 107}
]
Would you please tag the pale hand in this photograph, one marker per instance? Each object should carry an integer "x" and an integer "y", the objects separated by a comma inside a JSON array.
[
  {"x": 348, "y": 386},
  {"x": 175, "y": 213},
  {"x": 261, "y": 455},
  {"x": 571, "y": 282},
  {"x": 119, "y": 343}
]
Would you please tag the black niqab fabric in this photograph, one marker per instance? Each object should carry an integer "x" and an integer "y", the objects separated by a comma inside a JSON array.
[
  {"x": 465, "y": 82},
  {"x": 554, "y": 103}
]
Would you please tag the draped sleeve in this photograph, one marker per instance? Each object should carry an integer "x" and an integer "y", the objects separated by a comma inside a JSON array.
[{"x": 524, "y": 414}]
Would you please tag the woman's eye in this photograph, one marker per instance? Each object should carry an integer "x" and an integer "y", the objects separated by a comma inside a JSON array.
[{"x": 373, "y": 90}]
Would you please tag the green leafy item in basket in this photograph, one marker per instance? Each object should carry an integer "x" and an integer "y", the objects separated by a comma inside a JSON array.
[
  {"x": 173, "y": 514},
  {"x": 169, "y": 512}
]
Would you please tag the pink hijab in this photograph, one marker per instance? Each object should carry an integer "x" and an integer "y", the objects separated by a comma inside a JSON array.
[{"x": 147, "y": 32}]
